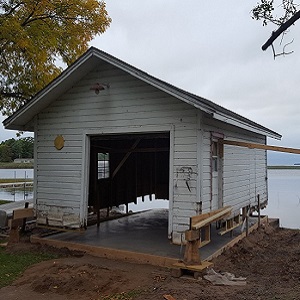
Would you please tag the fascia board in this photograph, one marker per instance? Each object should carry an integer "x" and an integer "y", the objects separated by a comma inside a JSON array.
[
  {"x": 238, "y": 123},
  {"x": 56, "y": 88}
]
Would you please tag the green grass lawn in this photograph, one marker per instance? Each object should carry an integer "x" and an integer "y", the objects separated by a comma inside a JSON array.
[
  {"x": 11, "y": 180},
  {"x": 4, "y": 201},
  {"x": 12, "y": 165},
  {"x": 13, "y": 265}
]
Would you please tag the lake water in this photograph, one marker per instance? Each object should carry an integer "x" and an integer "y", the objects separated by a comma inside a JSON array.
[
  {"x": 284, "y": 195},
  {"x": 16, "y": 173},
  {"x": 16, "y": 194}
]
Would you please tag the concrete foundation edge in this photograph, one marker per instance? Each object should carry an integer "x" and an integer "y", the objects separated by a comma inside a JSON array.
[
  {"x": 136, "y": 257},
  {"x": 110, "y": 253}
]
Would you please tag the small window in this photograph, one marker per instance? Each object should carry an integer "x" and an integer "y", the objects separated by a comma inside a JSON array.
[
  {"x": 214, "y": 148},
  {"x": 214, "y": 156},
  {"x": 103, "y": 165}
]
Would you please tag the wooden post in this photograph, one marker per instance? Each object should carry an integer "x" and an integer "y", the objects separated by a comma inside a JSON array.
[
  {"x": 258, "y": 204},
  {"x": 191, "y": 255},
  {"x": 98, "y": 215},
  {"x": 24, "y": 220},
  {"x": 247, "y": 221}
]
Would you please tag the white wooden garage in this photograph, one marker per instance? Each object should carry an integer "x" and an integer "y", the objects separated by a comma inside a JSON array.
[{"x": 106, "y": 132}]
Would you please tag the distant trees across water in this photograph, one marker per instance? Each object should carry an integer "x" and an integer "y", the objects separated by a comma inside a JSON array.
[{"x": 16, "y": 148}]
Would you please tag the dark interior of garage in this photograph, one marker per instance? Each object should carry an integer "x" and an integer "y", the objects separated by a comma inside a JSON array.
[{"x": 125, "y": 167}]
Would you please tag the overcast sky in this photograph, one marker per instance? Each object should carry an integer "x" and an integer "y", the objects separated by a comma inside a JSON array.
[{"x": 213, "y": 49}]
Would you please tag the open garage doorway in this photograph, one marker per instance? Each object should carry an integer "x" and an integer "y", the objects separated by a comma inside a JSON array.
[{"x": 126, "y": 167}]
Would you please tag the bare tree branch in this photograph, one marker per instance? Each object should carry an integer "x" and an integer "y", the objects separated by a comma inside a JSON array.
[
  {"x": 283, "y": 51},
  {"x": 14, "y": 8},
  {"x": 280, "y": 30}
]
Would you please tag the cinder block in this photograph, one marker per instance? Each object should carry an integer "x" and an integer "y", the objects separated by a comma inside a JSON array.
[{"x": 3, "y": 219}]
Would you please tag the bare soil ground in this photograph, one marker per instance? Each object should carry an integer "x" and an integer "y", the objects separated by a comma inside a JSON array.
[{"x": 269, "y": 259}]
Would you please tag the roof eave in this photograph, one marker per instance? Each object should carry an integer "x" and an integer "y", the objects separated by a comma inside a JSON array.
[
  {"x": 250, "y": 127},
  {"x": 63, "y": 82}
]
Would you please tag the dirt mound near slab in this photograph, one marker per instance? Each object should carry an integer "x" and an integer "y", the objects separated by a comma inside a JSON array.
[{"x": 268, "y": 258}]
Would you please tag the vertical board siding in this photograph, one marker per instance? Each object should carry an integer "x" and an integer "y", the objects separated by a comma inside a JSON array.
[{"x": 128, "y": 103}]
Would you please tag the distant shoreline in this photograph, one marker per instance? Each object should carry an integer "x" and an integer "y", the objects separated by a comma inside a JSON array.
[{"x": 283, "y": 167}]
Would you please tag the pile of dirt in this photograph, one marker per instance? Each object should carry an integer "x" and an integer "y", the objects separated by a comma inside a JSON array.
[{"x": 269, "y": 259}]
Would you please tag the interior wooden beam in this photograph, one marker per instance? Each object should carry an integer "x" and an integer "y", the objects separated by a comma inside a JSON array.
[
  {"x": 260, "y": 146},
  {"x": 125, "y": 158},
  {"x": 137, "y": 150},
  {"x": 120, "y": 137}
]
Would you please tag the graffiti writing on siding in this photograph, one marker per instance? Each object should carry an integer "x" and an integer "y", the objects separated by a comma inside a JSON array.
[{"x": 185, "y": 174}]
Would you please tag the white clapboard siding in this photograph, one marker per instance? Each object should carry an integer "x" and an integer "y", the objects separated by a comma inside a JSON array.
[
  {"x": 128, "y": 103},
  {"x": 250, "y": 166},
  {"x": 59, "y": 203},
  {"x": 60, "y": 179},
  {"x": 244, "y": 170}
]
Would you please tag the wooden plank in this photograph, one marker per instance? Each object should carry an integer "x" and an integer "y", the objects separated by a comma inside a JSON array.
[
  {"x": 197, "y": 268},
  {"x": 169, "y": 297},
  {"x": 206, "y": 239},
  {"x": 200, "y": 221},
  {"x": 204, "y": 243},
  {"x": 125, "y": 157},
  {"x": 222, "y": 232},
  {"x": 201, "y": 217},
  {"x": 139, "y": 150},
  {"x": 261, "y": 146},
  {"x": 23, "y": 213}
]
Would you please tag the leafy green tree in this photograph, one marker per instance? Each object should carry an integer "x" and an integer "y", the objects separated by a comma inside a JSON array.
[
  {"x": 5, "y": 153},
  {"x": 20, "y": 148},
  {"x": 34, "y": 35},
  {"x": 27, "y": 146}
]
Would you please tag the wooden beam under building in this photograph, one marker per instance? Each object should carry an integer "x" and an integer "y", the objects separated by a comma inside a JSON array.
[{"x": 260, "y": 146}]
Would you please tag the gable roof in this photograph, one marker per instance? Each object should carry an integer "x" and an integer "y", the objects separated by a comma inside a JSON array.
[{"x": 86, "y": 63}]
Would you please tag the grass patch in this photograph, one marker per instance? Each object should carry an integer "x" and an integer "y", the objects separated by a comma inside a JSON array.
[
  {"x": 3, "y": 240},
  {"x": 12, "y": 165},
  {"x": 12, "y": 180},
  {"x": 4, "y": 202},
  {"x": 13, "y": 265},
  {"x": 122, "y": 296}
]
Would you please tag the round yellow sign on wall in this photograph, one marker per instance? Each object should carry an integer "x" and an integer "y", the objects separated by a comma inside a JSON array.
[{"x": 59, "y": 142}]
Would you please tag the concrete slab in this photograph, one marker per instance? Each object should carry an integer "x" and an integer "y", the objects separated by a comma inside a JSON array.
[{"x": 142, "y": 236}]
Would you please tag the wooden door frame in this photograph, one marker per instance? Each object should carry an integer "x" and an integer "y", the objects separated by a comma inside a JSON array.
[
  {"x": 86, "y": 141},
  {"x": 217, "y": 138}
]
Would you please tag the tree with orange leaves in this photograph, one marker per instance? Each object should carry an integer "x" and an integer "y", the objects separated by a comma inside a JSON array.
[{"x": 34, "y": 34}]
